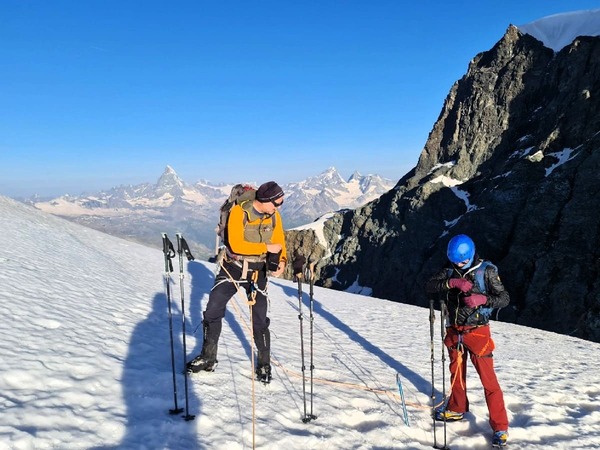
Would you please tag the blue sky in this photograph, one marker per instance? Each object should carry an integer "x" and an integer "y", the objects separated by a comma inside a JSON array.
[{"x": 96, "y": 94}]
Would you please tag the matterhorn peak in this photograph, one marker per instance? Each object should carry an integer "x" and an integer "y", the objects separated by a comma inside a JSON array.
[{"x": 169, "y": 182}]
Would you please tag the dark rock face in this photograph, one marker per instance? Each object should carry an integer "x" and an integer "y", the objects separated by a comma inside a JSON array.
[{"x": 513, "y": 161}]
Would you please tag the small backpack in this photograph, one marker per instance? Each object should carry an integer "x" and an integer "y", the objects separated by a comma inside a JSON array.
[{"x": 479, "y": 276}]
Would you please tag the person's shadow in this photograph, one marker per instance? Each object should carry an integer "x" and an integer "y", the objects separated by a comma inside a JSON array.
[{"x": 149, "y": 388}]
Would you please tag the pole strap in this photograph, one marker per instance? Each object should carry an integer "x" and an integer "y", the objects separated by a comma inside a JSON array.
[
  {"x": 185, "y": 248},
  {"x": 169, "y": 252}
]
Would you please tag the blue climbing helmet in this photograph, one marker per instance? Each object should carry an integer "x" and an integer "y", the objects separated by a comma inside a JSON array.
[{"x": 461, "y": 248}]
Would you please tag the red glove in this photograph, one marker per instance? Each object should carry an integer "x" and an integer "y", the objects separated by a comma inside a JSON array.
[
  {"x": 461, "y": 284},
  {"x": 475, "y": 300}
]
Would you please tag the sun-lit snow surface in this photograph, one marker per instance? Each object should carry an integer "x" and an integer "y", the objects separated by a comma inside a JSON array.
[
  {"x": 559, "y": 30},
  {"x": 86, "y": 361}
]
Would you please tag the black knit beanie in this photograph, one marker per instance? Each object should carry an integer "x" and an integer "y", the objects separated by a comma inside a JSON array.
[{"x": 269, "y": 191}]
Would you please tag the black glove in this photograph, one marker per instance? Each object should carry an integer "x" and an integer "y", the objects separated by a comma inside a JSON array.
[
  {"x": 273, "y": 261},
  {"x": 298, "y": 264}
]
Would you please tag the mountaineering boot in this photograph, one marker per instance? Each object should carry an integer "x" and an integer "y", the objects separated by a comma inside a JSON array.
[
  {"x": 447, "y": 415},
  {"x": 263, "y": 374},
  {"x": 207, "y": 360},
  {"x": 201, "y": 364},
  {"x": 499, "y": 439}
]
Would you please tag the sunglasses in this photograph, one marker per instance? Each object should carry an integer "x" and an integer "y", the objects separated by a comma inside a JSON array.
[{"x": 277, "y": 205}]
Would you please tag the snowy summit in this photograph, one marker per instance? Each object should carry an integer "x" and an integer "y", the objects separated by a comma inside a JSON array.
[{"x": 559, "y": 30}]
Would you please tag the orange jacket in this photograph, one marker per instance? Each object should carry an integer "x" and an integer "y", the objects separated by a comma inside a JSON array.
[{"x": 240, "y": 219}]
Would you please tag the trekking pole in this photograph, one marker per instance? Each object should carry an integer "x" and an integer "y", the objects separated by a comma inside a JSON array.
[
  {"x": 311, "y": 270},
  {"x": 169, "y": 253},
  {"x": 431, "y": 333},
  {"x": 298, "y": 265},
  {"x": 443, "y": 313},
  {"x": 182, "y": 247}
]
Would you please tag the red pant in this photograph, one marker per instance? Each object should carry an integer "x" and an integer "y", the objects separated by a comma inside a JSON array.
[{"x": 474, "y": 342}]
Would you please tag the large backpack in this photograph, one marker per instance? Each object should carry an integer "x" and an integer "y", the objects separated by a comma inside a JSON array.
[{"x": 240, "y": 193}]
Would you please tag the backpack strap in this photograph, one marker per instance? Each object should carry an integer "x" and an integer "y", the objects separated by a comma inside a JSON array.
[
  {"x": 480, "y": 275},
  {"x": 480, "y": 280}
]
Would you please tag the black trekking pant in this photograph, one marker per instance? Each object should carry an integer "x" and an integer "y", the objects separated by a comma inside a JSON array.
[{"x": 224, "y": 289}]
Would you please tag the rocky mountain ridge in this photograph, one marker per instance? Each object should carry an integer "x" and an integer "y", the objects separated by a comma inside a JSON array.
[{"x": 513, "y": 161}]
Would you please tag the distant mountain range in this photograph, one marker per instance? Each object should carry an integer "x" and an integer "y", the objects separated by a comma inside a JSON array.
[
  {"x": 143, "y": 211},
  {"x": 307, "y": 200}
]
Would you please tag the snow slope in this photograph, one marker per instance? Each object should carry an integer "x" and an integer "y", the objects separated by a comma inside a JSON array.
[{"x": 86, "y": 361}]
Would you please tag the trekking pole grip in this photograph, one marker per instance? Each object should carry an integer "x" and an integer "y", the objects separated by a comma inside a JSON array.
[
  {"x": 185, "y": 247},
  {"x": 298, "y": 265},
  {"x": 169, "y": 252}
]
